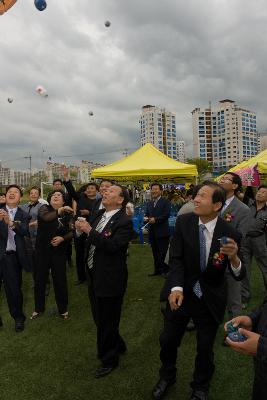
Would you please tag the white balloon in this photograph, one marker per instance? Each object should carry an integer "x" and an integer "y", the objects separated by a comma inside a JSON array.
[{"x": 41, "y": 91}]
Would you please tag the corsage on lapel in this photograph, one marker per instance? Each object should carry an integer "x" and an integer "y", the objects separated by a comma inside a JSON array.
[
  {"x": 218, "y": 259},
  {"x": 106, "y": 232},
  {"x": 228, "y": 217}
]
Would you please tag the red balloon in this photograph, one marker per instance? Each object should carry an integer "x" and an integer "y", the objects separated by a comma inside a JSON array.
[{"x": 5, "y": 5}]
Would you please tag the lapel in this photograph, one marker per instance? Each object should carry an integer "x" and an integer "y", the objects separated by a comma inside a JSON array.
[
  {"x": 217, "y": 234},
  {"x": 229, "y": 208},
  {"x": 113, "y": 220}
]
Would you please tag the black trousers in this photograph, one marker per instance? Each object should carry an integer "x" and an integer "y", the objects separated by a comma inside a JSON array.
[
  {"x": 54, "y": 259},
  {"x": 106, "y": 312},
  {"x": 11, "y": 274},
  {"x": 79, "y": 243},
  {"x": 175, "y": 323},
  {"x": 159, "y": 249}
]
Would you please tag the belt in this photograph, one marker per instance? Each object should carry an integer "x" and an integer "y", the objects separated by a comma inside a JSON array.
[{"x": 8, "y": 252}]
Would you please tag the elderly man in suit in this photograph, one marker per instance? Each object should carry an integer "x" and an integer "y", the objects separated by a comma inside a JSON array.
[
  {"x": 109, "y": 235},
  {"x": 236, "y": 214},
  {"x": 157, "y": 214},
  {"x": 14, "y": 224},
  {"x": 196, "y": 287}
]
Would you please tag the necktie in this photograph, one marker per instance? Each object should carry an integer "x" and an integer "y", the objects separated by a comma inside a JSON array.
[
  {"x": 98, "y": 228},
  {"x": 202, "y": 259},
  {"x": 11, "y": 241}
]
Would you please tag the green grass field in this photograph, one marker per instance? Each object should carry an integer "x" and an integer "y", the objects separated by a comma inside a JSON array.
[{"x": 55, "y": 359}]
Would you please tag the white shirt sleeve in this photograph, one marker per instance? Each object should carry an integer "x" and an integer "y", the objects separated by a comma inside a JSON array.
[
  {"x": 237, "y": 270},
  {"x": 177, "y": 288}
]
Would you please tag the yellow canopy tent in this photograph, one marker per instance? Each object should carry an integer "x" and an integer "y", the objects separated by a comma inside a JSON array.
[
  {"x": 253, "y": 170},
  {"x": 146, "y": 164}
]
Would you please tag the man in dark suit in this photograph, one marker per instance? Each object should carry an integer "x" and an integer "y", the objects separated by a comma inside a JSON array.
[
  {"x": 108, "y": 237},
  {"x": 14, "y": 224},
  {"x": 196, "y": 287},
  {"x": 237, "y": 214},
  {"x": 157, "y": 214}
]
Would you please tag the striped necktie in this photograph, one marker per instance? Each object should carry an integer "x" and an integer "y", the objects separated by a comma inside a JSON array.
[
  {"x": 202, "y": 252},
  {"x": 98, "y": 228}
]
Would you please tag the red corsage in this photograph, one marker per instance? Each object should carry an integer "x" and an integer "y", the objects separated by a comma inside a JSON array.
[
  {"x": 218, "y": 259},
  {"x": 228, "y": 217},
  {"x": 107, "y": 233}
]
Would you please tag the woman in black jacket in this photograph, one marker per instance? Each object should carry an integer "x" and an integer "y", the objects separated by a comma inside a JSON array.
[{"x": 54, "y": 232}]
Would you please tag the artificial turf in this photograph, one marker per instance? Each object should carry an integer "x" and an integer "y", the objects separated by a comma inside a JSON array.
[{"x": 55, "y": 359}]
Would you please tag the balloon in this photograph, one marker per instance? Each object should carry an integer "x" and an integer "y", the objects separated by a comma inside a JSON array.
[
  {"x": 40, "y": 4},
  {"x": 10, "y": 100},
  {"x": 5, "y": 5},
  {"x": 107, "y": 24},
  {"x": 91, "y": 113},
  {"x": 41, "y": 91}
]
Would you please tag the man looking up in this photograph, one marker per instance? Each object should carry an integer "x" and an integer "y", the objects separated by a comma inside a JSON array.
[
  {"x": 237, "y": 215},
  {"x": 109, "y": 235},
  {"x": 195, "y": 287},
  {"x": 255, "y": 243}
]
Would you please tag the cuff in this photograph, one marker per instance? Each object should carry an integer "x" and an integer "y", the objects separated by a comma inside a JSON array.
[
  {"x": 237, "y": 270},
  {"x": 177, "y": 288}
]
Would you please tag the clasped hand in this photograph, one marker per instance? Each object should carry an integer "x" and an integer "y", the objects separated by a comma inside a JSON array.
[
  {"x": 83, "y": 226},
  {"x": 4, "y": 216},
  {"x": 175, "y": 299}
]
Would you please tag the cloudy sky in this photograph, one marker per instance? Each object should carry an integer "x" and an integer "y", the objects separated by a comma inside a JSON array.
[{"x": 176, "y": 54}]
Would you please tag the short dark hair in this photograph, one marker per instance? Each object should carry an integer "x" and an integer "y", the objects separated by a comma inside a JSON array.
[
  {"x": 108, "y": 180},
  {"x": 50, "y": 194},
  {"x": 14, "y": 186},
  {"x": 124, "y": 193},
  {"x": 195, "y": 189},
  {"x": 91, "y": 184},
  {"x": 35, "y": 188},
  {"x": 262, "y": 187},
  {"x": 2, "y": 194},
  {"x": 156, "y": 184},
  {"x": 236, "y": 180},
  {"x": 58, "y": 180},
  {"x": 219, "y": 194}
]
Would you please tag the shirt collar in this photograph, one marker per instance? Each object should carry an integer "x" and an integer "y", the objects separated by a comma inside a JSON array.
[
  {"x": 228, "y": 201},
  {"x": 210, "y": 226},
  {"x": 14, "y": 210},
  {"x": 109, "y": 214}
]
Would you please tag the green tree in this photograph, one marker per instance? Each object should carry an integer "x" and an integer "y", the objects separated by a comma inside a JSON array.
[{"x": 203, "y": 166}]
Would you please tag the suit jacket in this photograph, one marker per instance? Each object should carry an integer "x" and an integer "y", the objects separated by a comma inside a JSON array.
[
  {"x": 95, "y": 209},
  {"x": 239, "y": 215},
  {"x": 185, "y": 263},
  {"x": 21, "y": 230},
  {"x": 161, "y": 214},
  {"x": 109, "y": 273}
]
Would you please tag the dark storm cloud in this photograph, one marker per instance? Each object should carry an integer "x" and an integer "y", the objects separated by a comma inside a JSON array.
[{"x": 174, "y": 54}]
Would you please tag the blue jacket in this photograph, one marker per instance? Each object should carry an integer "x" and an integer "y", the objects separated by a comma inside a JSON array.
[
  {"x": 161, "y": 213},
  {"x": 21, "y": 230}
]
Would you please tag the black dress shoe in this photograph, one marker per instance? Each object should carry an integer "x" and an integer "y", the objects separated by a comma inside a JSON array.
[
  {"x": 161, "y": 388},
  {"x": 19, "y": 326},
  {"x": 1, "y": 322},
  {"x": 199, "y": 395},
  {"x": 190, "y": 326},
  {"x": 103, "y": 371}
]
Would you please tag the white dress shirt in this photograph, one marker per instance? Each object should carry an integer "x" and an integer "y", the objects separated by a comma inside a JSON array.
[{"x": 208, "y": 233}]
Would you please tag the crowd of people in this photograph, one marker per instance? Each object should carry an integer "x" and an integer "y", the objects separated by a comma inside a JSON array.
[{"x": 206, "y": 265}]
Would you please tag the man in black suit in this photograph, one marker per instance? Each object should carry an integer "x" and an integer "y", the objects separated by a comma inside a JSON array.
[
  {"x": 196, "y": 287},
  {"x": 14, "y": 223},
  {"x": 157, "y": 214},
  {"x": 108, "y": 237}
]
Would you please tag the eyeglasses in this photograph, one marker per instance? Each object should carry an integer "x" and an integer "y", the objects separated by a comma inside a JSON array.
[{"x": 225, "y": 180}]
